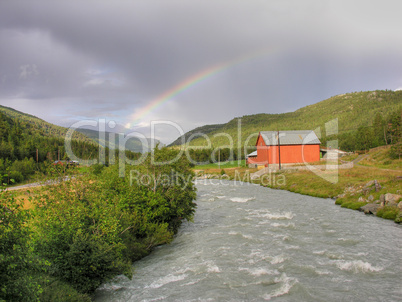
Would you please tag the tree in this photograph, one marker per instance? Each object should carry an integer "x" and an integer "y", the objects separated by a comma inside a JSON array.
[
  {"x": 364, "y": 138},
  {"x": 379, "y": 130}
]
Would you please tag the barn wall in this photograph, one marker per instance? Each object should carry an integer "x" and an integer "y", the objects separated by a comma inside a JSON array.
[
  {"x": 296, "y": 154},
  {"x": 289, "y": 153}
]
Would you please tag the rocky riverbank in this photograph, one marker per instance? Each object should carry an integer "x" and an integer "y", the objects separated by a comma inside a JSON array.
[{"x": 371, "y": 199}]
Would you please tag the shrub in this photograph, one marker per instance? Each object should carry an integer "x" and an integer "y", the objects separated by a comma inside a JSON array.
[
  {"x": 16, "y": 261},
  {"x": 56, "y": 290},
  {"x": 78, "y": 233}
]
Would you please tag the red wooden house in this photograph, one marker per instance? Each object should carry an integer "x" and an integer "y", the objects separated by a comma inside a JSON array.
[{"x": 286, "y": 147}]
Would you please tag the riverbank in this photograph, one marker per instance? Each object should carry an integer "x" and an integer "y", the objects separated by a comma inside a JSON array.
[{"x": 373, "y": 185}]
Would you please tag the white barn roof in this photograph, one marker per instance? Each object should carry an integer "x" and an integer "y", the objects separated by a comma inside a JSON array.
[
  {"x": 296, "y": 137},
  {"x": 252, "y": 154}
]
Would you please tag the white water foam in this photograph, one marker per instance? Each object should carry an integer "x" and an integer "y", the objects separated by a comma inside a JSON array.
[
  {"x": 287, "y": 284},
  {"x": 269, "y": 215},
  {"x": 165, "y": 280},
  {"x": 213, "y": 269},
  {"x": 240, "y": 234},
  {"x": 286, "y": 215},
  {"x": 240, "y": 199},
  {"x": 283, "y": 225},
  {"x": 277, "y": 259},
  {"x": 259, "y": 271},
  {"x": 156, "y": 299},
  {"x": 357, "y": 266}
]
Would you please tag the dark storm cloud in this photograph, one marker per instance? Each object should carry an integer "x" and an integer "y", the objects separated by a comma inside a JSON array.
[{"x": 87, "y": 59}]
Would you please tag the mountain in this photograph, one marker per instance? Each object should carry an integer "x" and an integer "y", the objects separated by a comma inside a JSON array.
[
  {"x": 203, "y": 129},
  {"x": 352, "y": 110},
  {"x": 133, "y": 144},
  {"x": 39, "y": 126},
  {"x": 28, "y": 144}
]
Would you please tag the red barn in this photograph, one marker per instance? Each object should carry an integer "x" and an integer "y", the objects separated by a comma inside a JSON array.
[{"x": 290, "y": 147}]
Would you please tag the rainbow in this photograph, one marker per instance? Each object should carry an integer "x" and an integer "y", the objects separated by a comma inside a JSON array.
[{"x": 190, "y": 82}]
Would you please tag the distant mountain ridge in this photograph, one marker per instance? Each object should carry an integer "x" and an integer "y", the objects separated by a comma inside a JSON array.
[
  {"x": 132, "y": 144},
  {"x": 349, "y": 111}
]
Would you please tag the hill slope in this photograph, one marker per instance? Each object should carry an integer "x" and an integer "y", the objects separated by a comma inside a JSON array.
[
  {"x": 41, "y": 127},
  {"x": 351, "y": 110}
]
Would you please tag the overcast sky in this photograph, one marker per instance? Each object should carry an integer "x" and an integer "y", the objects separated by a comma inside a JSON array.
[{"x": 66, "y": 61}]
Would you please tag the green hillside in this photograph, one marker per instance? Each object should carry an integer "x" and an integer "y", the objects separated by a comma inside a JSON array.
[
  {"x": 353, "y": 110},
  {"x": 203, "y": 129},
  {"x": 39, "y": 126},
  {"x": 29, "y": 145}
]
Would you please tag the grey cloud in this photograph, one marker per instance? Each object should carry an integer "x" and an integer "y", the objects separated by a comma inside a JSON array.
[{"x": 127, "y": 53}]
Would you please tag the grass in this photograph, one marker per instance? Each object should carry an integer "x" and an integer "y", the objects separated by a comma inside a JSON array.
[
  {"x": 348, "y": 158},
  {"x": 223, "y": 165},
  {"x": 388, "y": 213},
  {"x": 379, "y": 158}
]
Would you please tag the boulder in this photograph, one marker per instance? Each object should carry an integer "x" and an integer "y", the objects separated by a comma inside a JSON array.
[
  {"x": 370, "y": 208},
  {"x": 392, "y": 199}
]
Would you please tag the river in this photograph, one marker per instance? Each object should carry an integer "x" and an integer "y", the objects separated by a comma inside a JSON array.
[{"x": 250, "y": 243}]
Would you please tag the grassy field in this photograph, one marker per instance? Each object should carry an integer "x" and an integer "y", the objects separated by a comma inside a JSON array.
[{"x": 222, "y": 165}]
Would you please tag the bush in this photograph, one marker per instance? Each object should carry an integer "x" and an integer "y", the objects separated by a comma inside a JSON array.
[
  {"x": 56, "y": 290},
  {"x": 16, "y": 261},
  {"x": 78, "y": 233},
  {"x": 97, "y": 169}
]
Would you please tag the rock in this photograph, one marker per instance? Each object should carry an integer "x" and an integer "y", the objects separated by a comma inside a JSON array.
[
  {"x": 361, "y": 199},
  {"x": 377, "y": 186},
  {"x": 392, "y": 199},
  {"x": 382, "y": 200},
  {"x": 371, "y": 198},
  {"x": 400, "y": 205},
  {"x": 370, "y": 186},
  {"x": 370, "y": 208},
  {"x": 370, "y": 183}
]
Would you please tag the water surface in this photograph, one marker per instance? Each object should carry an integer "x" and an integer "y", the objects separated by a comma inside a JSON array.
[{"x": 250, "y": 243}]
